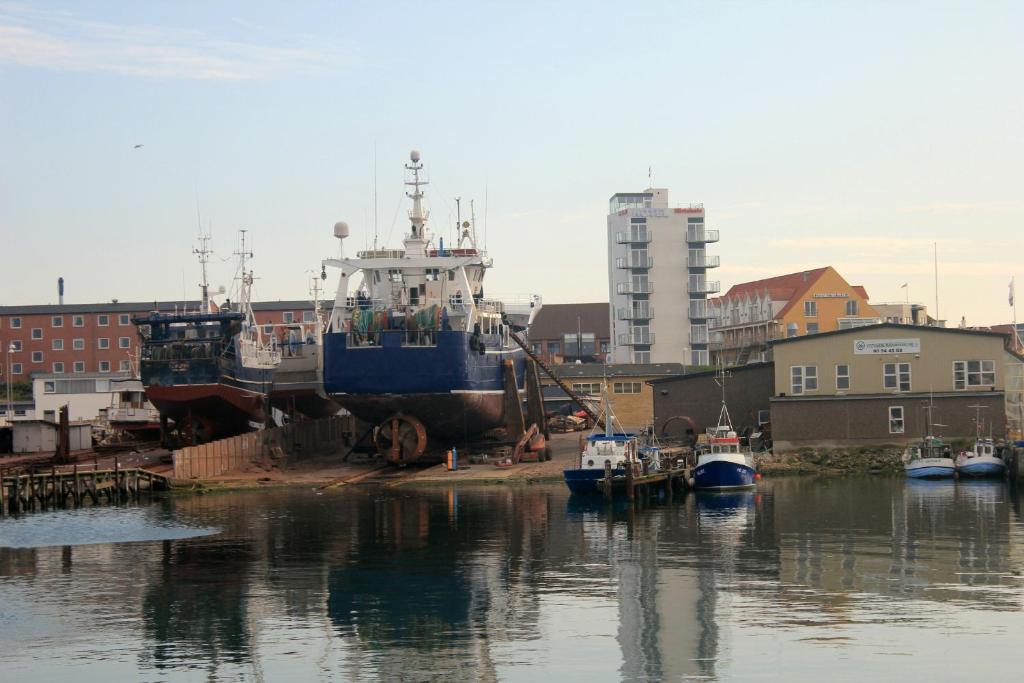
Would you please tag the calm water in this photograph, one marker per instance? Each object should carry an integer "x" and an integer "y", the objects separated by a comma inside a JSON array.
[{"x": 844, "y": 579}]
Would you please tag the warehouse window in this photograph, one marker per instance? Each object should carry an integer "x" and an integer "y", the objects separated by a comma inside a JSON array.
[
  {"x": 896, "y": 419},
  {"x": 974, "y": 373},
  {"x": 587, "y": 388},
  {"x": 842, "y": 377},
  {"x": 803, "y": 378},
  {"x": 896, "y": 376},
  {"x": 626, "y": 387}
]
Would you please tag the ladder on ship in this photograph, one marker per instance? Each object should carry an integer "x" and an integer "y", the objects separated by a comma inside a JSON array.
[{"x": 561, "y": 385}]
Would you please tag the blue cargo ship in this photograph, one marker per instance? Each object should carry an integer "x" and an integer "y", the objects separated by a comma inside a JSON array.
[{"x": 413, "y": 346}]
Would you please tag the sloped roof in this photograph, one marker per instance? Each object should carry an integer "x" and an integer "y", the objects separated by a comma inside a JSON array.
[
  {"x": 780, "y": 288},
  {"x": 554, "y": 320}
]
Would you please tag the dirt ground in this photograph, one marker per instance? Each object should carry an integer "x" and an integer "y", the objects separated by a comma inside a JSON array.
[{"x": 330, "y": 471}]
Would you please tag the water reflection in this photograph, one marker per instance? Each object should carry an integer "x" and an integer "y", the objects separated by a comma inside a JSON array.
[{"x": 511, "y": 584}]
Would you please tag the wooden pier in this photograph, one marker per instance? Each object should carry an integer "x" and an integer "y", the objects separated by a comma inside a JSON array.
[
  {"x": 639, "y": 483},
  {"x": 73, "y": 486}
]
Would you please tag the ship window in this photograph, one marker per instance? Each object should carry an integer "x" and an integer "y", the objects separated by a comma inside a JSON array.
[
  {"x": 433, "y": 274},
  {"x": 896, "y": 419},
  {"x": 395, "y": 275},
  {"x": 451, "y": 275}
]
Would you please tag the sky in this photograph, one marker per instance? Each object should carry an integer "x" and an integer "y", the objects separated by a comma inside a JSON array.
[{"x": 867, "y": 136}]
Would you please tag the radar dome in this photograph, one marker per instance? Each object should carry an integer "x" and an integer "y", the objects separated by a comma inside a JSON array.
[
  {"x": 341, "y": 230},
  {"x": 414, "y": 156}
]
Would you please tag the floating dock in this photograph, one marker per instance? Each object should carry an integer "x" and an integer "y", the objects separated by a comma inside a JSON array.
[{"x": 638, "y": 481}]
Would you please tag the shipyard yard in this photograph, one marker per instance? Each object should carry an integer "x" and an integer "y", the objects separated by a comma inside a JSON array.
[{"x": 510, "y": 342}]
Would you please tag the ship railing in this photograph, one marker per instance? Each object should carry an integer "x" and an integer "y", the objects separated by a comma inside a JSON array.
[{"x": 169, "y": 351}]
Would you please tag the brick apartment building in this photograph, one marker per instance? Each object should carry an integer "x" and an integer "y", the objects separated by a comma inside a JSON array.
[{"x": 100, "y": 337}]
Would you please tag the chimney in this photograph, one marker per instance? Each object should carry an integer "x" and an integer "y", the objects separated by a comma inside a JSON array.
[{"x": 60, "y": 291}]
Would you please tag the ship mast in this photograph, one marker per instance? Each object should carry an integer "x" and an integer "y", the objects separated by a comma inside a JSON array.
[
  {"x": 203, "y": 252},
  {"x": 416, "y": 242},
  {"x": 246, "y": 280}
]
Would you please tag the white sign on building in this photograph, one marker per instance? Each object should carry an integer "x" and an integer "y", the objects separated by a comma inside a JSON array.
[{"x": 871, "y": 347}]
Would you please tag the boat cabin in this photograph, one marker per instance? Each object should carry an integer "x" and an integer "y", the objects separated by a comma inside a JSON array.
[{"x": 617, "y": 448}]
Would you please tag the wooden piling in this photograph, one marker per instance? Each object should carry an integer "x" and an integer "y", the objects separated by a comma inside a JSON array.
[
  {"x": 630, "y": 487},
  {"x": 608, "y": 479}
]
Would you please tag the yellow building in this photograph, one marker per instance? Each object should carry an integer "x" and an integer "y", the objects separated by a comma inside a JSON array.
[
  {"x": 632, "y": 397},
  {"x": 751, "y": 314}
]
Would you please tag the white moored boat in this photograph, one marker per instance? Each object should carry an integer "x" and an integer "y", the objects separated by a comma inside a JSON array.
[
  {"x": 981, "y": 461},
  {"x": 930, "y": 459}
]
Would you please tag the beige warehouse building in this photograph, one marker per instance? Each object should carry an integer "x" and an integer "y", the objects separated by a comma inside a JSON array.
[{"x": 873, "y": 385}]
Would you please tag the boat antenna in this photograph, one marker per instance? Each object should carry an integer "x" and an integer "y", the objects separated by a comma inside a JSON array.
[
  {"x": 935, "y": 246},
  {"x": 486, "y": 205},
  {"x": 246, "y": 278},
  {"x": 376, "y": 228},
  {"x": 472, "y": 219},
  {"x": 458, "y": 221},
  {"x": 723, "y": 415},
  {"x": 977, "y": 419},
  {"x": 203, "y": 253}
]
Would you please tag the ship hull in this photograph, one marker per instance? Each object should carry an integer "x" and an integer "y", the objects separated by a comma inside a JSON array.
[
  {"x": 723, "y": 475},
  {"x": 454, "y": 390},
  {"x": 583, "y": 482}
]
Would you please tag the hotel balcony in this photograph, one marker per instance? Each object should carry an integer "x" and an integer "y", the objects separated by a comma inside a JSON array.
[
  {"x": 635, "y": 262},
  {"x": 635, "y": 339},
  {"x": 705, "y": 261},
  {"x": 698, "y": 336},
  {"x": 638, "y": 237},
  {"x": 642, "y": 313},
  {"x": 629, "y": 288},
  {"x": 709, "y": 287},
  {"x": 698, "y": 234}
]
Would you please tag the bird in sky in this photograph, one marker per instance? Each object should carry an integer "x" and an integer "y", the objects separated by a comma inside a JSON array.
[{"x": 137, "y": 146}]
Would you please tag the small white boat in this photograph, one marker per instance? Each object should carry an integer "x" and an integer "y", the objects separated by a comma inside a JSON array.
[
  {"x": 982, "y": 461},
  {"x": 620, "y": 449},
  {"x": 931, "y": 459}
]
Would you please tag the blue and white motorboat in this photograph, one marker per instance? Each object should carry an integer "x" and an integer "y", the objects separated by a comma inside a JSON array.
[
  {"x": 981, "y": 461},
  {"x": 930, "y": 459},
  {"x": 620, "y": 449},
  {"x": 617, "y": 448},
  {"x": 721, "y": 464}
]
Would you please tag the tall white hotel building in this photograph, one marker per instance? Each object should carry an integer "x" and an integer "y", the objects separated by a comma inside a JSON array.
[{"x": 657, "y": 279}]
